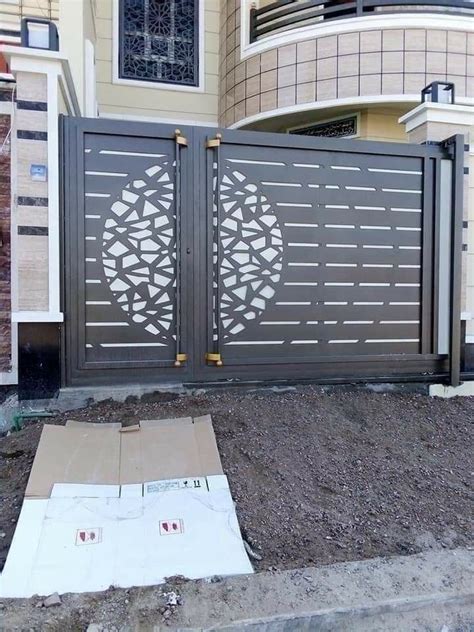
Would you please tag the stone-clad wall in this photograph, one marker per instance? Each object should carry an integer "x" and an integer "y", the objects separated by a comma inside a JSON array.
[
  {"x": 5, "y": 250},
  {"x": 366, "y": 63},
  {"x": 32, "y": 196}
]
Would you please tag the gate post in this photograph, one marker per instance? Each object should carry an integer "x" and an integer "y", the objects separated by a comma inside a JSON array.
[
  {"x": 41, "y": 90},
  {"x": 436, "y": 122}
]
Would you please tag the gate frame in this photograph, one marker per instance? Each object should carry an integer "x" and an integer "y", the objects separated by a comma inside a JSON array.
[
  {"x": 416, "y": 367},
  {"x": 195, "y": 248},
  {"x": 72, "y": 132}
]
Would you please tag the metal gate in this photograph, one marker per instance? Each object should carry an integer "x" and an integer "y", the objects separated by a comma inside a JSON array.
[{"x": 191, "y": 256}]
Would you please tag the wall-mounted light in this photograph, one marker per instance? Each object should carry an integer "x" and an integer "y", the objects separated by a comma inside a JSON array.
[
  {"x": 438, "y": 92},
  {"x": 36, "y": 33}
]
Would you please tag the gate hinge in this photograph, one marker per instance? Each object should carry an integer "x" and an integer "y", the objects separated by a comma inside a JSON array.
[
  {"x": 214, "y": 357},
  {"x": 214, "y": 142},
  {"x": 449, "y": 146},
  {"x": 180, "y": 357},
  {"x": 180, "y": 140}
]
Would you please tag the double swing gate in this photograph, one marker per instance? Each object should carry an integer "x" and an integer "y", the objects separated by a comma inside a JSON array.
[{"x": 195, "y": 256}]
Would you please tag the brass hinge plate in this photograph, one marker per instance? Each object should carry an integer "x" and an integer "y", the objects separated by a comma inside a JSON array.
[
  {"x": 180, "y": 140},
  {"x": 214, "y": 142},
  {"x": 214, "y": 357},
  {"x": 180, "y": 358}
]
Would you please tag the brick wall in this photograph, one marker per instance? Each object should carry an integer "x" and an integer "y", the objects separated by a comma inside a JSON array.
[{"x": 5, "y": 276}]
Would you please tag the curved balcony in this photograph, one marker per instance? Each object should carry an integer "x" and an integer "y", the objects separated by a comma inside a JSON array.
[
  {"x": 313, "y": 61},
  {"x": 283, "y": 15}
]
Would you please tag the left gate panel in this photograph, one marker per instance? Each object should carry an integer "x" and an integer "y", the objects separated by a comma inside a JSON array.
[{"x": 126, "y": 284}]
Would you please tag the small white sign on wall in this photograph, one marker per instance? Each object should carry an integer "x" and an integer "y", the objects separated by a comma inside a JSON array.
[{"x": 38, "y": 173}]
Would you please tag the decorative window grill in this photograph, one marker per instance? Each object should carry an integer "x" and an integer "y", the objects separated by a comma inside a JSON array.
[
  {"x": 159, "y": 41},
  {"x": 331, "y": 129}
]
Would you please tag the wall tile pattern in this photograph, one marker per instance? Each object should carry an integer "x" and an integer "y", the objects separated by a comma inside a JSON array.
[
  {"x": 31, "y": 209},
  {"x": 368, "y": 63}
]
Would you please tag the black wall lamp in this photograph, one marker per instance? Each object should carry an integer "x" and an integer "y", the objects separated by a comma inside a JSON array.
[
  {"x": 36, "y": 33},
  {"x": 438, "y": 92}
]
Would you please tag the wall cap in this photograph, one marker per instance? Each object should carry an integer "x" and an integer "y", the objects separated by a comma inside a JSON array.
[
  {"x": 428, "y": 112},
  {"x": 37, "y": 317},
  {"x": 33, "y": 53},
  {"x": 20, "y": 58}
]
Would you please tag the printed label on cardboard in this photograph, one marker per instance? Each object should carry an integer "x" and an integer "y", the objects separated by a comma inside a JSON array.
[
  {"x": 88, "y": 536},
  {"x": 175, "y": 484},
  {"x": 171, "y": 527}
]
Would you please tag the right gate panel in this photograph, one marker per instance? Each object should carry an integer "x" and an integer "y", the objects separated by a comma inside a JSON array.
[{"x": 322, "y": 258}]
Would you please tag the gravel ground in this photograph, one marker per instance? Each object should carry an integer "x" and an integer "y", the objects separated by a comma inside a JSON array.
[{"x": 319, "y": 475}]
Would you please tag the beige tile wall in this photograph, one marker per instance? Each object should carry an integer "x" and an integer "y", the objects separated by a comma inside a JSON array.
[
  {"x": 369, "y": 63},
  {"x": 133, "y": 100},
  {"x": 33, "y": 272},
  {"x": 13, "y": 11},
  {"x": 31, "y": 208}
]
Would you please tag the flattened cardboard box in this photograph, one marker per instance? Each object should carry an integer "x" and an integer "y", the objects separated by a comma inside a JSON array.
[
  {"x": 135, "y": 504},
  {"x": 109, "y": 454},
  {"x": 83, "y": 539}
]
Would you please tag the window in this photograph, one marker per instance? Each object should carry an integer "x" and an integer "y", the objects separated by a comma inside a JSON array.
[
  {"x": 337, "y": 128},
  {"x": 159, "y": 41}
]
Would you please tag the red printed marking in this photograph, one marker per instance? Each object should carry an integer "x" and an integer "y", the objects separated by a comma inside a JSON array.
[
  {"x": 88, "y": 536},
  {"x": 170, "y": 527}
]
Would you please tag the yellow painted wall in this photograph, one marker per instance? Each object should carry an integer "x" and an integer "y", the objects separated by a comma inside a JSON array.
[
  {"x": 153, "y": 101},
  {"x": 382, "y": 125}
]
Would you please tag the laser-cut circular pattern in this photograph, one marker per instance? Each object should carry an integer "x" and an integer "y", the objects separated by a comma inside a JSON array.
[
  {"x": 252, "y": 252},
  {"x": 139, "y": 250}
]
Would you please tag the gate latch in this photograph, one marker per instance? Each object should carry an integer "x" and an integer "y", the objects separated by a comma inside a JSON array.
[{"x": 214, "y": 357}]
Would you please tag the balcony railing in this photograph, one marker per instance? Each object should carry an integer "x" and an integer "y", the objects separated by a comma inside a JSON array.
[{"x": 283, "y": 15}]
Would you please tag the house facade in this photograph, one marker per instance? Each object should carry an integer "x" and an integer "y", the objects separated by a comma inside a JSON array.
[{"x": 304, "y": 69}]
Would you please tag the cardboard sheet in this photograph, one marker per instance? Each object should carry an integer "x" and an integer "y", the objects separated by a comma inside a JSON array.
[
  {"x": 80, "y": 453},
  {"x": 170, "y": 449},
  {"x": 107, "y": 454},
  {"x": 78, "y": 544},
  {"x": 124, "y": 506}
]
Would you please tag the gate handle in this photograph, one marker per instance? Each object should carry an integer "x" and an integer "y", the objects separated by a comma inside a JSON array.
[
  {"x": 215, "y": 356},
  {"x": 180, "y": 141}
]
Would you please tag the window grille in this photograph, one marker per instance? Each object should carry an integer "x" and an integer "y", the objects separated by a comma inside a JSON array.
[
  {"x": 159, "y": 41},
  {"x": 331, "y": 129}
]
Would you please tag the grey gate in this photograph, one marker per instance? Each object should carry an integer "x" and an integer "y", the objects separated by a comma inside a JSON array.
[{"x": 195, "y": 257}]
